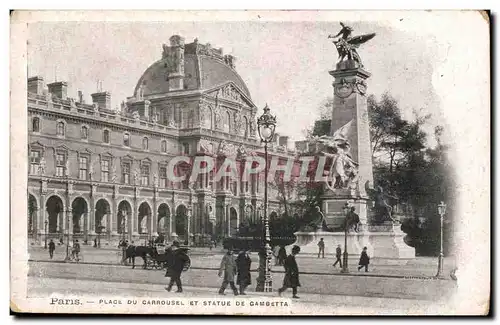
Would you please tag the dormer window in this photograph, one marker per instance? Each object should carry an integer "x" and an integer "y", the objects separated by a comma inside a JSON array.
[
  {"x": 84, "y": 132},
  {"x": 61, "y": 129},
  {"x": 36, "y": 124},
  {"x": 105, "y": 136},
  {"x": 126, "y": 140},
  {"x": 164, "y": 146}
]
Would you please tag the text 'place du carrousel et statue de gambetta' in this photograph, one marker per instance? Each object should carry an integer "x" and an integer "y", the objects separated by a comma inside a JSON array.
[{"x": 349, "y": 199}]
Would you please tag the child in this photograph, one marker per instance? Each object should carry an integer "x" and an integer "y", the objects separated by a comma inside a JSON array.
[{"x": 364, "y": 260}]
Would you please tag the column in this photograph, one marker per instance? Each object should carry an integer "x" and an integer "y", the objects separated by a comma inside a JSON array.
[
  {"x": 228, "y": 223},
  {"x": 154, "y": 221},
  {"x": 85, "y": 217},
  {"x": 114, "y": 219},
  {"x": 91, "y": 219},
  {"x": 129, "y": 221},
  {"x": 108, "y": 223},
  {"x": 135, "y": 219},
  {"x": 188, "y": 228}
]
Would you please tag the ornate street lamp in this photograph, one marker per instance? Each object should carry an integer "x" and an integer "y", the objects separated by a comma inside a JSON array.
[
  {"x": 345, "y": 267},
  {"x": 441, "y": 211},
  {"x": 266, "y": 124},
  {"x": 46, "y": 224}
]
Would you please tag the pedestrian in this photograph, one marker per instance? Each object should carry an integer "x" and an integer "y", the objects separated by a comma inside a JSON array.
[
  {"x": 276, "y": 251},
  {"x": 243, "y": 263},
  {"x": 282, "y": 255},
  {"x": 176, "y": 260},
  {"x": 321, "y": 246},
  {"x": 76, "y": 250},
  {"x": 95, "y": 242},
  {"x": 291, "y": 279},
  {"x": 338, "y": 256},
  {"x": 52, "y": 248},
  {"x": 228, "y": 270},
  {"x": 364, "y": 260}
]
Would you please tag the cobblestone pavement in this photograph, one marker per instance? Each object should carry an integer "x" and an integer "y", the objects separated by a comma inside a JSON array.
[{"x": 210, "y": 259}]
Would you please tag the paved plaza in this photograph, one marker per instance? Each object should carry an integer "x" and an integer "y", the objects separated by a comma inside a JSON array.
[
  {"x": 406, "y": 282},
  {"x": 204, "y": 258}
]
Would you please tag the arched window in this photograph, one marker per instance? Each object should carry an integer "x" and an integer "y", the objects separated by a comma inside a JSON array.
[
  {"x": 145, "y": 144},
  {"x": 105, "y": 136},
  {"x": 227, "y": 122},
  {"x": 164, "y": 146},
  {"x": 61, "y": 129},
  {"x": 245, "y": 125},
  {"x": 126, "y": 140},
  {"x": 36, "y": 124},
  {"x": 85, "y": 133}
]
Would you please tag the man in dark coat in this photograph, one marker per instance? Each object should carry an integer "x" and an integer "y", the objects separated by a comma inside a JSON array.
[
  {"x": 291, "y": 279},
  {"x": 281, "y": 255},
  {"x": 364, "y": 260},
  {"x": 176, "y": 260},
  {"x": 321, "y": 246},
  {"x": 243, "y": 263},
  {"x": 52, "y": 248},
  {"x": 338, "y": 256},
  {"x": 228, "y": 270}
]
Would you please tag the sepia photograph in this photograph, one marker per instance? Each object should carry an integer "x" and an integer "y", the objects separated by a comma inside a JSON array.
[{"x": 250, "y": 162}]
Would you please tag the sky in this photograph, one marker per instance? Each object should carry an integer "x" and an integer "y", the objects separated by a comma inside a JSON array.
[{"x": 284, "y": 63}]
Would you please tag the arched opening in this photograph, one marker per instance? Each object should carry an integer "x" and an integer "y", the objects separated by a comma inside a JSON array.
[
  {"x": 227, "y": 122},
  {"x": 124, "y": 212},
  {"x": 233, "y": 221},
  {"x": 163, "y": 219},
  {"x": 55, "y": 208},
  {"x": 248, "y": 213},
  {"x": 181, "y": 222},
  {"x": 32, "y": 214},
  {"x": 80, "y": 210},
  {"x": 144, "y": 218},
  {"x": 36, "y": 124},
  {"x": 102, "y": 211},
  {"x": 245, "y": 126}
]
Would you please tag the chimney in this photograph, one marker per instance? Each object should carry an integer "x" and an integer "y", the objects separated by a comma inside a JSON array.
[
  {"x": 59, "y": 89},
  {"x": 176, "y": 55},
  {"x": 283, "y": 141},
  {"x": 102, "y": 99},
  {"x": 80, "y": 97},
  {"x": 35, "y": 85}
]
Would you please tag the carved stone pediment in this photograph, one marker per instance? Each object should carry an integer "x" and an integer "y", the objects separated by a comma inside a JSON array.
[{"x": 229, "y": 92}]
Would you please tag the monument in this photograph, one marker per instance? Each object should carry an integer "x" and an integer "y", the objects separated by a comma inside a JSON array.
[{"x": 349, "y": 179}]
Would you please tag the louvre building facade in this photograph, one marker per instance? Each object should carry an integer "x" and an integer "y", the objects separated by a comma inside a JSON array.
[{"x": 98, "y": 171}]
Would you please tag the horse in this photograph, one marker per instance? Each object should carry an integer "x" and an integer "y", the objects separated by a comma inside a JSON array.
[{"x": 139, "y": 251}]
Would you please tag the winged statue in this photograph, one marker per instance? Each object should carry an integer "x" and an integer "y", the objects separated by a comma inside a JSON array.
[{"x": 347, "y": 45}]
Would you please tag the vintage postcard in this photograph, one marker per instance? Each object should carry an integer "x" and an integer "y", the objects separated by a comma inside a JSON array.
[{"x": 250, "y": 162}]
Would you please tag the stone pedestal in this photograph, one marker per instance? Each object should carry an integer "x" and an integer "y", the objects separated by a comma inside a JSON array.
[
  {"x": 388, "y": 242},
  {"x": 382, "y": 242},
  {"x": 308, "y": 242}
]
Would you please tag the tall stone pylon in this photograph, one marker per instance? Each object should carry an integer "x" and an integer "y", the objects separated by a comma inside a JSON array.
[
  {"x": 350, "y": 119},
  {"x": 350, "y": 104}
]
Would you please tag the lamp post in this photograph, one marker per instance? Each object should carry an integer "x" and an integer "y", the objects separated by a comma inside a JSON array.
[
  {"x": 266, "y": 126},
  {"x": 345, "y": 267},
  {"x": 46, "y": 223},
  {"x": 441, "y": 211}
]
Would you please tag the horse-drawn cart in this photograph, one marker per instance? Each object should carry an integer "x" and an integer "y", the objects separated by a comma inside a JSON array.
[{"x": 155, "y": 256}]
